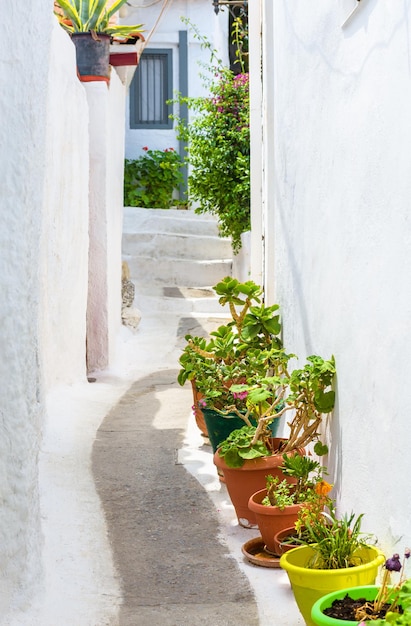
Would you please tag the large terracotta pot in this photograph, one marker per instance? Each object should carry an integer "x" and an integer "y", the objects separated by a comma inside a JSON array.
[
  {"x": 271, "y": 519},
  {"x": 243, "y": 481},
  {"x": 309, "y": 585}
]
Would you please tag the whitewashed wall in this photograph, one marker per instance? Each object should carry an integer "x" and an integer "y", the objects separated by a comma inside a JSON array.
[
  {"x": 44, "y": 247},
  {"x": 64, "y": 243},
  {"x": 340, "y": 163},
  {"x": 23, "y": 106},
  {"x": 214, "y": 28}
]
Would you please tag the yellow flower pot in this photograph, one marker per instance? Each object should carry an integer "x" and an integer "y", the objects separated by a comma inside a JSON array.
[{"x": 309, "y": 585}]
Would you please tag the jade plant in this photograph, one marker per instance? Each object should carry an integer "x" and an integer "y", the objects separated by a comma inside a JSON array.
[
  {"x": 247, "y": 343},
  {"x": 82, "y": 16},
  {"x": 306, "y": 392},
  {"x": 307, "y": 472},
  {"x": 243, "y": 369}
]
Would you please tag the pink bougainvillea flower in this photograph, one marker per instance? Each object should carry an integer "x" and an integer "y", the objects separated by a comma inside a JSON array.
[{"x": 240, "y": 395}]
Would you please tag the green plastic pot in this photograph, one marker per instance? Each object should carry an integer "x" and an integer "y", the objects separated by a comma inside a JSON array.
[
  {"x": 220, "y": 426},
  {"x": 369, "y": 592},
  {"x": 309, "y": 585}
]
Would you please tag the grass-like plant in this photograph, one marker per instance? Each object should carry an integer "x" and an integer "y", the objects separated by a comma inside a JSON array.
[{"x": 335, "y": 541}]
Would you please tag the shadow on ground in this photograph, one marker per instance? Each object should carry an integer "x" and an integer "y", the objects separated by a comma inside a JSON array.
[{"x": 162, "y": 525}]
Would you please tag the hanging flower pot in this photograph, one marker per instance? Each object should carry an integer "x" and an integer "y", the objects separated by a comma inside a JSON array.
[{"x": 92, "y": 56}]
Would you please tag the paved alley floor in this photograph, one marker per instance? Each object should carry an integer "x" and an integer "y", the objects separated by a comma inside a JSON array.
[{"x": 172, "y": 529}]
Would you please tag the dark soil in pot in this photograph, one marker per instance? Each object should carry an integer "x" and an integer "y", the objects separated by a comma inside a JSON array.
[{"x": 344, "y": 609}]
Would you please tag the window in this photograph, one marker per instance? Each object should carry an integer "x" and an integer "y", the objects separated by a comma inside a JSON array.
[{"x": 151, "y": 87}]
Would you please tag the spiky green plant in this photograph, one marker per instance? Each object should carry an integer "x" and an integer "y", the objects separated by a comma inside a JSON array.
[{"x": 94, "y": 16}]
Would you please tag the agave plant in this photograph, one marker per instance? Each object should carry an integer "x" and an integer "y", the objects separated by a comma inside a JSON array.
[{"x": 94, "y": 16}]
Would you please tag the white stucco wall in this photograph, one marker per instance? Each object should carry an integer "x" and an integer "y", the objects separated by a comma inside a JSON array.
[
  {"x": 212, "y": 27},
  {"x": 44, "y": 245},
  {"x": 340, "y": 160},
  {"x": 23, "y": 106},
  {"x": 64, "y": 242},
  {"x": 106, "y": 131}
]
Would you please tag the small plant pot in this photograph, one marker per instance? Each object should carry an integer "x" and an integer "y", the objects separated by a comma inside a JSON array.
[
  {"x": 309, "y": 585},
  {"x": 281, "y": 540},
  {"x": 271, "y": 519},
  {"x": 368, "y": 592},
  {"x": 92, "y": 56}
]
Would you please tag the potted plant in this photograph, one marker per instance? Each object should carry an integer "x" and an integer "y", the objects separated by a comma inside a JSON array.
[
  {"x": 336, "y": 555},
  {"x": 249, "y": 454},
  {"x": 369, "y": 604},
  {"x": 249, "y": 341},
  {"x": 89, "y": 23},
  {"x": 311, "y": 508},
  {"x": 277, "y": 506}
]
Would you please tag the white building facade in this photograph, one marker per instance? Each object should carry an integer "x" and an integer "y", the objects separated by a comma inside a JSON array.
[{"x": 336, "y": 95}]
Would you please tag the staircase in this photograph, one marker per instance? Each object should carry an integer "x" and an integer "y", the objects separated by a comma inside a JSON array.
[{"x": 175, "y": 257}]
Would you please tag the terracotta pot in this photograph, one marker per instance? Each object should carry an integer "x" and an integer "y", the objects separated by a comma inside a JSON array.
[
  {"x": 243, "y": 481},
  {"x": 279, "y": 546},
  {"x": 198, "y": 414},
  {"x": 271, "y": 519}
]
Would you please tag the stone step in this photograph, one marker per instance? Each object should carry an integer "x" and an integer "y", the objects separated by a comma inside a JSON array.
[
  {"x": 137, "y": 220},
  {"x": 174, "y": 272},
  {"x": 184, "y": 246},
  {"x": 186, "y": 300}
]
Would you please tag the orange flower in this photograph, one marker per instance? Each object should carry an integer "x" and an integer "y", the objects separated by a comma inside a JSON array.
[{"x": 323, "y": 488}]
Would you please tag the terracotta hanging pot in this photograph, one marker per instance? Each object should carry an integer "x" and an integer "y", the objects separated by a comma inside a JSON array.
[{"x": 92, "y": 56}]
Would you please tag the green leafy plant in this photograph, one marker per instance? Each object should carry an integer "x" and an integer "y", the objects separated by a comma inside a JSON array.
[
  {"x": 248, "y": 343},
  {"x": 218, "y": 153},
  {"x": 82, "y": 16},
  {"x": 303, "y": 391},
  {"x": 239, "y": 39},
  {"x": 150, "y": 180},
  {"x": 307, "y": 472},
  {"x": 242, "y": 369}
]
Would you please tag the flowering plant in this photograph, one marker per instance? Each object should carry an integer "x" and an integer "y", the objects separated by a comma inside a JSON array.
[
  {"x": 335, "y": 541},
  {"x": 309, "y": 486},
  {"x": 218, "y": 147},
  {"x": 390, "y": 597},
  {"x": 150, "y": 180}
]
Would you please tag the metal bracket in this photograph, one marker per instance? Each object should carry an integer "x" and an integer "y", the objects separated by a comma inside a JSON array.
[{"x": 351, "y": 14}]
